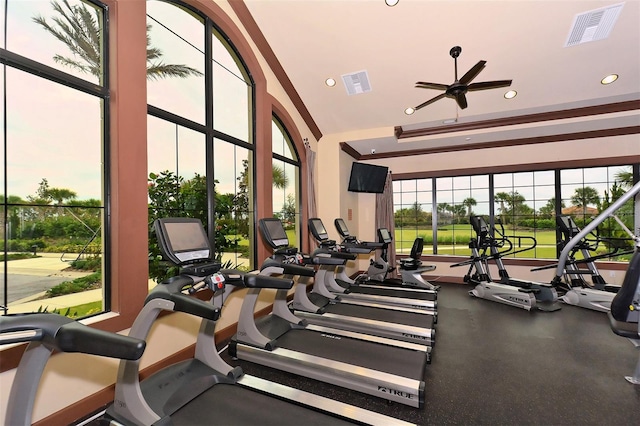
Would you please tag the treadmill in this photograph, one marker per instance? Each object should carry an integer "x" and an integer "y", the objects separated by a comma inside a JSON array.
[
  {"x": 351, "y": 360},
  {"x": 44, "y": 333},
  {"x": 205, "y": 389},
  {"x": 328, "y": 282},
  {"x": 320, "y": 310}
]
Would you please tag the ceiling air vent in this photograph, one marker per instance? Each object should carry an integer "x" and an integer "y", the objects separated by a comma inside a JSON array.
[
  {"x": 356, "y": 83},
  {"x": 593, "y": 25}
]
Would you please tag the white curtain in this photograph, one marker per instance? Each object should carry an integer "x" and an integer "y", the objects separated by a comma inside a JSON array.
[
  {"x": 385, "y": 219},
  {"x": 311, "y": 191}
]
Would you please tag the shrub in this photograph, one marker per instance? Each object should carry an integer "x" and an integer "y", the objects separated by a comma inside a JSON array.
[
  {"x": 75, "y": 286},
  {"x": 88, "y": 264}
]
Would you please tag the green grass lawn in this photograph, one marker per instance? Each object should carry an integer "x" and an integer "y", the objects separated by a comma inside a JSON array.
[{"x": 545, "y": 240}]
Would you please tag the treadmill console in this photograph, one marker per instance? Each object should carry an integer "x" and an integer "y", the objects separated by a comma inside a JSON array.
[
  {"x": 342, "y": 228},
  {"x": 185, "y": 243},
  {"x": 319, "y": 232},
  {"x": 273, "y": 232}
]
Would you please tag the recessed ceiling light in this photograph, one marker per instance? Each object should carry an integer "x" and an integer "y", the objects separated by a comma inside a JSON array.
[
  {"x": 510, "y": 94},
  {"x": 391, "y": 3},
  {"x": 409, "y": 111},
  {"x": 330, "y": 82},
  {"x": 609, "y": 79}
]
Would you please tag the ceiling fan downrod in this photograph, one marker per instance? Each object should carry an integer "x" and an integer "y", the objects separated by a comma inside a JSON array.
[{"x": 455, "y": 52}]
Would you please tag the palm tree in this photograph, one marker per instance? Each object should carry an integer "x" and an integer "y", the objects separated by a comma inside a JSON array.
[
  {"x": 502, "y": 197},
  {"x": 79, "y": 29},
  {"x": 468, "y": 203},
  {"x": 625, "y": 177},
  {"x": 280, "y": 178},
  {"x": 582, "y": 197}
]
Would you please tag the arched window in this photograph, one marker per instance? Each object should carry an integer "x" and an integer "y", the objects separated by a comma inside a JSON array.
[
  {"x": 200, "y": 130},
  {"x": 53, "y": 181},
  {"x": 286, "y": 182}
]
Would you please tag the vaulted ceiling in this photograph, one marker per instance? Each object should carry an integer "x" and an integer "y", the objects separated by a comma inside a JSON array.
[{"x": 559, "y": 90}]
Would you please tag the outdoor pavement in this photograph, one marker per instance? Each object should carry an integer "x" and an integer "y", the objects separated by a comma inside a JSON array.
[{"x": 29, "y": 279}]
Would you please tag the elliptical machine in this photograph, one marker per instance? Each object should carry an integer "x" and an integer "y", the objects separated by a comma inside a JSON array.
[
  {"x": 599, "y": 299},
  {"x": 596, "y": 295},
  {"x": 490, "y": 244}
]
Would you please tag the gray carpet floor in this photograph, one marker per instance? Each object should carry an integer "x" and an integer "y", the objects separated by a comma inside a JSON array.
[{"x": 498, "y": 365}]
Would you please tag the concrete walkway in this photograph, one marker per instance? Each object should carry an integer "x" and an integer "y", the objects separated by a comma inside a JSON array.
[{"x": 50, "y": 266}]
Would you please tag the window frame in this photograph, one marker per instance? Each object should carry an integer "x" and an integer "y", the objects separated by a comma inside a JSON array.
[
  {"x": 296, "y": 163},
  {"x": 556, "y": 168},
  {"x": 208, "y": 130},
  {"x": 9, "y": 59}
]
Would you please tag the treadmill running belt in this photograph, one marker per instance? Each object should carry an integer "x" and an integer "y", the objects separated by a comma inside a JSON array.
[
  {"x": 389, "y": 359},
  {"x": 225, "y": 404},
  {"x": 380, "y": 314},
  {"x": 393, "y": 293}
]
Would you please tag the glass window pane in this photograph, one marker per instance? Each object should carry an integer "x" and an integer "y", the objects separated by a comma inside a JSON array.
[
  {"x": 280, "y": 142},
  {"x": 595, "y": 174},
  {"x": 231, "y": 93},
  {"x": 175, "y": 148},
  {"x": 503, "y": 180},
  {"x": 546, "y": 177},
  {"x": 443, "y": 184},
  {"x": 27, "y": 35},
  {"x": 522, "y": 179},
  {"x": 65, "y": 142},
  {"x": 423, "y": 184},
  {"x": 480, "y": 181},
  {"x": 461, "y": 182},
  {"x": 233, "y": 173},
  {"x": 175, "y": 66}
]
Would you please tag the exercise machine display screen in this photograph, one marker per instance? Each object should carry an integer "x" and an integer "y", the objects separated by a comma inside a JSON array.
[
  {"x": 342, "y": 228},
  {"x": 319, "y": 229},
  {"x": 385, "y": 236},
  {"x": 276, "y": 232},
  {"x": 186, "y": 239}
]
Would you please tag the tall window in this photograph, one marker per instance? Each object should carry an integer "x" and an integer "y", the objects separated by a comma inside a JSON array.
[
  {"x": 54, "y": 118},
  {"x": 200, "y": 133},
  {"x": 286, "y": 182},
  {"x": 522, "y": 205}
]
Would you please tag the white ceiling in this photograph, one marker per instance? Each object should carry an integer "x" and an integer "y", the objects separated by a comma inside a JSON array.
[{"x": 397, "y": 46}]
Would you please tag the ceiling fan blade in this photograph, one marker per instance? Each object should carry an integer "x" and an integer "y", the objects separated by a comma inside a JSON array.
[
  {"x": 461, "y": 99},
  {"x": 473, "y": 72},
  {"x": 436, "y": 86},
  {"x": 488, "y": 85},
  {"x": 430, "y": 101}
]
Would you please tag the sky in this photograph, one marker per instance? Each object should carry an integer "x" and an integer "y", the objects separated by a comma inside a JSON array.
[{"x": 54, "y": 132}]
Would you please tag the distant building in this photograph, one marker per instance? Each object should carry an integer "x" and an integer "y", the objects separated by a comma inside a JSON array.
[{"x": 580, "y": 211}]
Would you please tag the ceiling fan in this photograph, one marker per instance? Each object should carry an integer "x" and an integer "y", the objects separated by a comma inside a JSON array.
[{"x": 459, "y": 88}]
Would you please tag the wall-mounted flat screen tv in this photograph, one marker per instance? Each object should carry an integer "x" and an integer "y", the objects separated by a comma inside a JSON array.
[{"x": 367, "y": 178}]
